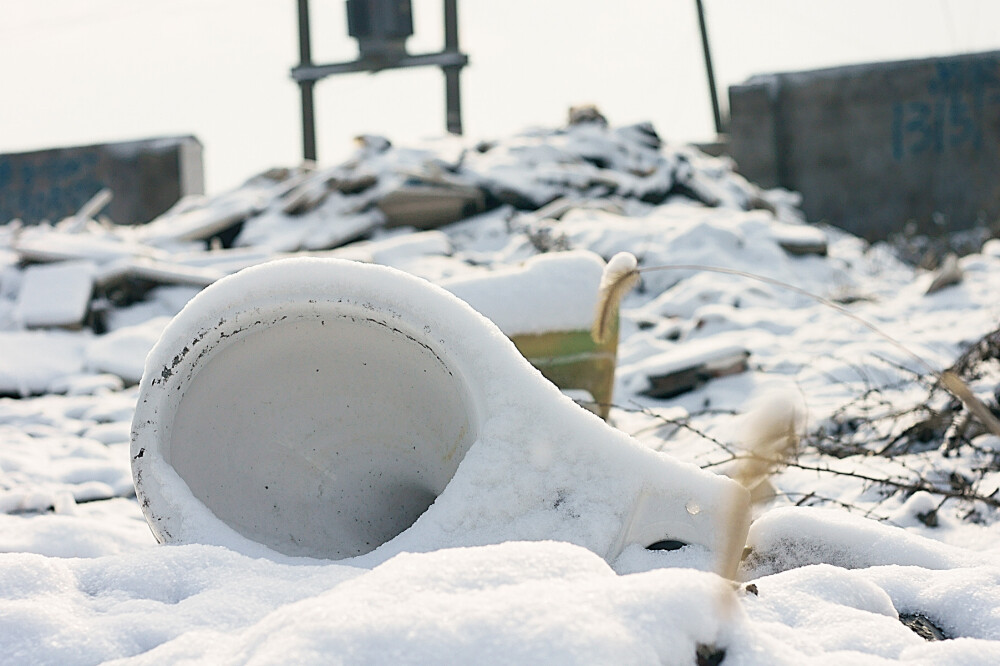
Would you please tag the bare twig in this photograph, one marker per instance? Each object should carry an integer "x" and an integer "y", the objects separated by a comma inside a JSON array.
[{"x": 908, "y": 486}]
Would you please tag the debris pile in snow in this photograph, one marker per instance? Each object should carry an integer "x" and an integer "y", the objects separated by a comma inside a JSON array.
[
  {"x": 84, "y": 273},
  {"x": 898, "y": 566}
]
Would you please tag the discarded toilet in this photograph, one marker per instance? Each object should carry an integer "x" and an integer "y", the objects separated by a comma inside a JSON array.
[{"x": 332, "y": 409}]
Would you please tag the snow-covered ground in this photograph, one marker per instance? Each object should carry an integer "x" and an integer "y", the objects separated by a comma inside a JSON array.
[{"x": 882, "y": 523}]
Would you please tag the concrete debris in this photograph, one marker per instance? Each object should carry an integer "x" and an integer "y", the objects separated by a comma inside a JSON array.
[
  {"x": 556, "y": 209},
  {"x": 83, "y": 270},
  {"x": 800, "y": 239},
  {"x": 155, "y": 271},
  {"x": 424, "y": 204},
  {"x": 691, "y": 366},
  {"x": 587, "y": 113},
  {"x": 199, "y": 223},
  {"x": 90, "y": 209}
]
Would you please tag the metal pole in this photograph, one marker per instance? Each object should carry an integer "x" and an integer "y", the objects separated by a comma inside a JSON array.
[
  {"x": 708, "y": 67},
  {"x": 452, "y": 90},
  {"x": 306, "y": 87}
]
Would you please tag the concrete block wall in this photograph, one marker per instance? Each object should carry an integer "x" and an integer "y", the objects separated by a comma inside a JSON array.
[
  {"x": 872, "y": 147},
  {"x": 146, "y": 177}
]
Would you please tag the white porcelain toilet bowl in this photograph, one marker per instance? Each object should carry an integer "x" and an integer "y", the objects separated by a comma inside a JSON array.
[{"x": 331, "y": 409}]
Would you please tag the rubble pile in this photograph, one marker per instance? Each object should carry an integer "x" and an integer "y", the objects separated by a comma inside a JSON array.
[{"x": 115, "y": 286}]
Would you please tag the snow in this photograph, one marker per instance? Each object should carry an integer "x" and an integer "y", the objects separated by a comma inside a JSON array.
[
  {"x": 535, "y": 549},
  {"x": 33, "y": 360},
  {"x": 700, "y": 352},
  {"x": 123, "y": 351},
  {"x": 550, "y": 292},
  {"x": 792, "y": 537},
  {"x": 55, "y": 295},
  {"x": 623, "y": 262}
]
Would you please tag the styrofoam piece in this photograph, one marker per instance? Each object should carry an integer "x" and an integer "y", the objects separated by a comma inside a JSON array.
[
  {"x": 55, "y": 294},
  {"x": 332, "y": 409}
]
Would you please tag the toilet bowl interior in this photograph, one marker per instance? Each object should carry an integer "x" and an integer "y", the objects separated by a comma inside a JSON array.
[{"x": 325, "y": 433}]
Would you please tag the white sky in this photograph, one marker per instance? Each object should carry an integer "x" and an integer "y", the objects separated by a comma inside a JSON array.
[{"x": 86, "y": 71}]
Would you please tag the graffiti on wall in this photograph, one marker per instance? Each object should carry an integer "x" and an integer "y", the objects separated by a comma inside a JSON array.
[
  {"x": 961, "y": 102},
  {"x": 46, "y": 185}
]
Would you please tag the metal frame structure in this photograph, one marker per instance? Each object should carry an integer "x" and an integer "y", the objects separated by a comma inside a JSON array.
[
  {"x": 450, "y": 60},
  {"x": 709, "y": 69}
]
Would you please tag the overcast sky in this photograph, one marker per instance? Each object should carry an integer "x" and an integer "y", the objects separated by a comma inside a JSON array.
[{"x": 76, "y": 72}]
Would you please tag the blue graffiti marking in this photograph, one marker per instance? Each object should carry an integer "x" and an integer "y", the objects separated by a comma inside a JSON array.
[
  {"x": 46, "y": 186},
  {"x": 962, "y": 98}
]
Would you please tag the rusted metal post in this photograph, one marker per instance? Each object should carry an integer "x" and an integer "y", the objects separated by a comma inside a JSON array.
[
  {"x": 708, "y": 67},
  {"x": 452, "y": 89},
  {"x": 306, "y": 86}
]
